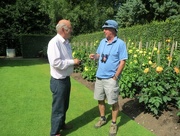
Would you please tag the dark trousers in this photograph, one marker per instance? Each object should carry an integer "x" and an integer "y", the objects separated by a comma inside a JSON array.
[{"x": 60, "y": 89}]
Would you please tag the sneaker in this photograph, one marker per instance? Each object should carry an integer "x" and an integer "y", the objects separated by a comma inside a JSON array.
[
  {"x": 100, "y": 123},
  {"x": 113, "y": 130}
]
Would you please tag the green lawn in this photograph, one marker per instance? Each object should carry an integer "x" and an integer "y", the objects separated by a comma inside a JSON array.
[{"x": 25, "y": 108}]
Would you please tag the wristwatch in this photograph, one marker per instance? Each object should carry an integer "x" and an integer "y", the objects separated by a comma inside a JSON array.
[{"x": 116, "y": 77}]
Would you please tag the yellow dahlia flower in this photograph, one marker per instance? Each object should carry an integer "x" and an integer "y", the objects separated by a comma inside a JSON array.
[
  {"x": 150, "y": 62},
  {"x": 135, "y": 56},
  {"x": 146, "y": 70},
  {"x": 159, "y": 69},
  {"x": 168, "y": 40},
  {"x": 158, "y": 51},
  {"x": 169, "y": 58},
  {"x": 155, "y": 49},
  {"x": 85, "y": 69},
  {"x": 130, "y": 51}
]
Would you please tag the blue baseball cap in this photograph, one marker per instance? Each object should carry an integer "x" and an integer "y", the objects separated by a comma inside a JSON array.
[{"x": 111, "y": 24}]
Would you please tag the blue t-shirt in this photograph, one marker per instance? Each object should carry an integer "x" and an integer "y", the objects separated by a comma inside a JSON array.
[{"x": 112, "y": 53}]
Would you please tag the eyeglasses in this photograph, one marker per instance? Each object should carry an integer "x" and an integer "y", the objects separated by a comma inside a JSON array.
[
  {"x": 104, "y": 58},
  {"x": 66, "y": 28}
]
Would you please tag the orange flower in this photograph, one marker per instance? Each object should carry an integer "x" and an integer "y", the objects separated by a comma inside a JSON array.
[
  {"x": 146, "y": 70},
  {"x": 176, "y": 69},
  {"x": 159, "y": 69}
]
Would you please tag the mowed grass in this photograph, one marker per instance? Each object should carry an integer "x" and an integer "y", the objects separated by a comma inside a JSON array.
[{"x": 25, "y": 104}]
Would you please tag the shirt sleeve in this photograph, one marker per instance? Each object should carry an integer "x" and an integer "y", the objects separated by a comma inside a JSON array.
[{"x": 123, "y": 52}]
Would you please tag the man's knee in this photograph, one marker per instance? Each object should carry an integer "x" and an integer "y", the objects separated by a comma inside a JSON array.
[{"x": 115, "y": 106}]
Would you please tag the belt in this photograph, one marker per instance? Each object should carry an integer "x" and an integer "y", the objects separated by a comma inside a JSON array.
[
  {"x": 61, "y": 78},
  {"x": 103, "y": 78},
  {"x": 99, "y": 78}
]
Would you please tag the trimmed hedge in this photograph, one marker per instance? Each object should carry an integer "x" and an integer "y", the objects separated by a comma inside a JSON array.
[
  {"x": 155, "y": 31},
  {"x": 32, "y": 45}
]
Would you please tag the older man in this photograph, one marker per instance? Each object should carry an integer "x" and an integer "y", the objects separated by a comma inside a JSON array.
[{"x": 61, "y": 67}]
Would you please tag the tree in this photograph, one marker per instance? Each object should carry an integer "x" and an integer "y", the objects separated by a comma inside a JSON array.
[
  {"x": 164, "y": 9},
  {"x": 21, "y": 17},
  {"x": 7, "y": 27},
  {"x": 32, "y": 18},
  {"x": 86, "y": 16},
  {"x": 134, "y": 12},
  {"x": 131, "y": 13}
]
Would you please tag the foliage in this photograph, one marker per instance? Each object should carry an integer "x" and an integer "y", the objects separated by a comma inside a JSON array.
[
  {"x": 131, "y": 13},
  {"x": 7, "y": 26},
  {"x": 20, "y": 17},
  {"x": 155, "y": 31},
  {"x": 35, "y": 20},
  {"x": 134, "y": 12},
  {"x": 151, "y": 73},
  {"x": 86, "y": 16},
  {"x": 152, "y": 70},
  {"x": 165, "y": 9},
  {"x": 33, "y": 46},
  {"x": 154, "y": 82},
  {"x": 88, "y": 67}
]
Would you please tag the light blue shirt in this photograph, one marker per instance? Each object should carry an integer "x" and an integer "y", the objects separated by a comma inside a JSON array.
[
  {"x": 116, "y": 51},
  {"x": 60, "y": 57}
]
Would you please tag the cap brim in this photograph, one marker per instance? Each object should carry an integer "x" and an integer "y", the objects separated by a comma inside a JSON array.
[{"x": 109, "y": 26}]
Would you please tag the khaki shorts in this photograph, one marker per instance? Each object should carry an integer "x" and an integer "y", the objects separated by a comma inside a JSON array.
[{"x": 106, "y": 88}]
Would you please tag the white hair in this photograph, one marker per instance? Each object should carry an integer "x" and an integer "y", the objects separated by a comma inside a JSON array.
[{"x": 61, "y": 25}]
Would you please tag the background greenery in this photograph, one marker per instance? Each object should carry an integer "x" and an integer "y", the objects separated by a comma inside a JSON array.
[
  {"x": 87, "y": 16},
  {"x": 33, "y": 46},
  {"x": 25, "y": 99},
  {"x": 151, "y": 74},
  {"x": 143, "y": 23},
  {"x": 155, "y": 31}
]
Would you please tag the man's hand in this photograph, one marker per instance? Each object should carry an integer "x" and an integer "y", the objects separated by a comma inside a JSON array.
[
  {"x": 77, "y": 61},
  {"x": 94, "y": 56}
]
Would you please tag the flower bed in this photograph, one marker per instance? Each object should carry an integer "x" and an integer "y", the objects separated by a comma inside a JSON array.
[{"x": 151, "y": 73}]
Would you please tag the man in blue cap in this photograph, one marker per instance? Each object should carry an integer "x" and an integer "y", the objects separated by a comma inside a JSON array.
[{"x": 111, "y": 55}]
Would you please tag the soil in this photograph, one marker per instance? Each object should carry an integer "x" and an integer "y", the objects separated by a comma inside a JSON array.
[{"x": 167, "y": 124}]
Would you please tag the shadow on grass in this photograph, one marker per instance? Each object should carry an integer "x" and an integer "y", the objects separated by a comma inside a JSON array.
[
  {"x": 89, "y": 116},
  {"x": 12, "y": 62}
]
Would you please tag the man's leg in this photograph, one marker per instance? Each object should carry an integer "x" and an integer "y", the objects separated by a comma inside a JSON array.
[
  {"x": 113, "y": 127},
  {"x": 102, "y": 121},
  {"x": 58, "y": 88},
  {"x": 99, "y": 95},
  {"x": 101, "y": 105},
  {"x": 115, "y": 111}
]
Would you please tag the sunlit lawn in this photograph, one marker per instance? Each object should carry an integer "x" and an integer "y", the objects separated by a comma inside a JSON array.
[{"x": 25, "y": 100}]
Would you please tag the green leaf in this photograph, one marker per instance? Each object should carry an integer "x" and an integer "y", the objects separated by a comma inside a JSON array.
[{"x": 166, "y": 99}]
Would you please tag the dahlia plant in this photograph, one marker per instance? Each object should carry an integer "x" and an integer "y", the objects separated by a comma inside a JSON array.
[{"x": 151, "y": 73}]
